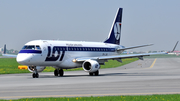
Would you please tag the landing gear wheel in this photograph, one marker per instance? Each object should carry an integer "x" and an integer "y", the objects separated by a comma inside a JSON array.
[
  {"x": 61, "y": 72},
  {"x": 56, "y": 72},
  {"x": 96, "y": 73},
  {"x": 91, "y": 74},
  {"x": 35, "y": 75}
]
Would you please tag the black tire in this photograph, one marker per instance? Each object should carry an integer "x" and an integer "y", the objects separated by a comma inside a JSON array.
[
  {"x": 37, "y": 75},
  {"x": 55, "y": 72},
  {"x": 96, "y": 73},
  {"x": 91, "y": 74},
  {"x": 61, "y": 72},
  {"x": 33, "y": 75}
]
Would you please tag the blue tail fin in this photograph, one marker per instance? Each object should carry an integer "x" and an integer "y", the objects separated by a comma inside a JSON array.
[{"x": 115, "y": 32}]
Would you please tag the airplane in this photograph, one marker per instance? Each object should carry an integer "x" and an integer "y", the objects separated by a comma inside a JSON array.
[{"x": 38, "y": 54}]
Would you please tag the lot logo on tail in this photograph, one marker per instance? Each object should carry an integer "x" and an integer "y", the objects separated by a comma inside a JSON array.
[{"x": 117, "y": 30}]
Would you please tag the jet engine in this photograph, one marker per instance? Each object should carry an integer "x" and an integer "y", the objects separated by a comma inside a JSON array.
[
  {"x": 39, "y": 68},
  {"x": 90, "y": 66}
]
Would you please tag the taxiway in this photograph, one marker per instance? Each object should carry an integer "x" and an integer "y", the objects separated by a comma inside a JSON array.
[{"x": 151, "y": 76}]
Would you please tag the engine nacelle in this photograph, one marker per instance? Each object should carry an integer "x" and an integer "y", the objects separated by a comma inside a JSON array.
[
  {"x": 39, "y": 68},
  {"x": 90, "y": 66}
]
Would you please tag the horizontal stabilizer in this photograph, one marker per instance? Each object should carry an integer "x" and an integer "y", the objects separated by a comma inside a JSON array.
[{"x": 125, "y": 48}]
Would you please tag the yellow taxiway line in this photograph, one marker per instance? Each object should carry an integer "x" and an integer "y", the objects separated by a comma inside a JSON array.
[{"x": 152, "y": 65}]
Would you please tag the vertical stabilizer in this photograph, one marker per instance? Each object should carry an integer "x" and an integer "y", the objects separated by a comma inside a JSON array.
[
  {"x": 115, "y": 32},
  {"x": 4, "y": 49}
]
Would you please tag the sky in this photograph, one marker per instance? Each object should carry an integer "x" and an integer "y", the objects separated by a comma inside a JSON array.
[{"x": 143, "y": 22}]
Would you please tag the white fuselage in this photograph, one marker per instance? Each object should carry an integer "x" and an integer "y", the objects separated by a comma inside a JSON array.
[{"x": 60, "y": 54}]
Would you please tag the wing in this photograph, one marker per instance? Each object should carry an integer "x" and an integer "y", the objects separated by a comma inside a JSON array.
[
  {"x": 115, "y": 57},
  {"x": 102, "y": 59},
  {"x": 9, "y": 55}
]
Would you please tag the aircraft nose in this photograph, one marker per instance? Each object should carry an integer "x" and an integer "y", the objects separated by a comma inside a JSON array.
[{"x": 23, "y": 58}]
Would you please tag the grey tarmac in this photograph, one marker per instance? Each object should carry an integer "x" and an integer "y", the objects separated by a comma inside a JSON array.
[{"x": 150, "y": 76}]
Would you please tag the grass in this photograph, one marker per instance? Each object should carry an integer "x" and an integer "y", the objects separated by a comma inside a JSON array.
[
  {"x": 170, "y": 97},
  {"x": 10, "y": 66}
]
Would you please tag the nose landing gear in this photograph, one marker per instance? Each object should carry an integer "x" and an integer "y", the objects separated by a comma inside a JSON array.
[{"x": 35, "y": 73}]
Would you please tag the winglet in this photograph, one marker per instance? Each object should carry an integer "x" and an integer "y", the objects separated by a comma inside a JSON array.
[
  {"x": 115, "y": 32},
  {"x": 175, "y": 46}
]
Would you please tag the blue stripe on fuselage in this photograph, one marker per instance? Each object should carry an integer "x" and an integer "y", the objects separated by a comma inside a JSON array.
[
  {"x": 31, "y": 51},
  {"x": 61, "y": 48}
]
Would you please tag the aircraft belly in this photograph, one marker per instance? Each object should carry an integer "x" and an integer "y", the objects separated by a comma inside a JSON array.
[{"x": 67, "y": 61}]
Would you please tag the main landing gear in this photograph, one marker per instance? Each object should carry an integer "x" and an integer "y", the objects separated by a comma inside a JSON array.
[
  {"x": 58, "y": 72},
  {"x": 94, "y": 73},
  {"x": 35, "y": 73}
]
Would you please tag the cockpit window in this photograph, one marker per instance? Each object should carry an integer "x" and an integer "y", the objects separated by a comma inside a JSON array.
[
  {"x": 33, "y": 47},
  {"x": 38, "y": 47},
  {"x": 24, "y": 47}
]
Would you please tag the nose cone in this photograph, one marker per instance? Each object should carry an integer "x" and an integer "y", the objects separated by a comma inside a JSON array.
[{"x": 23, "y": 59}]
